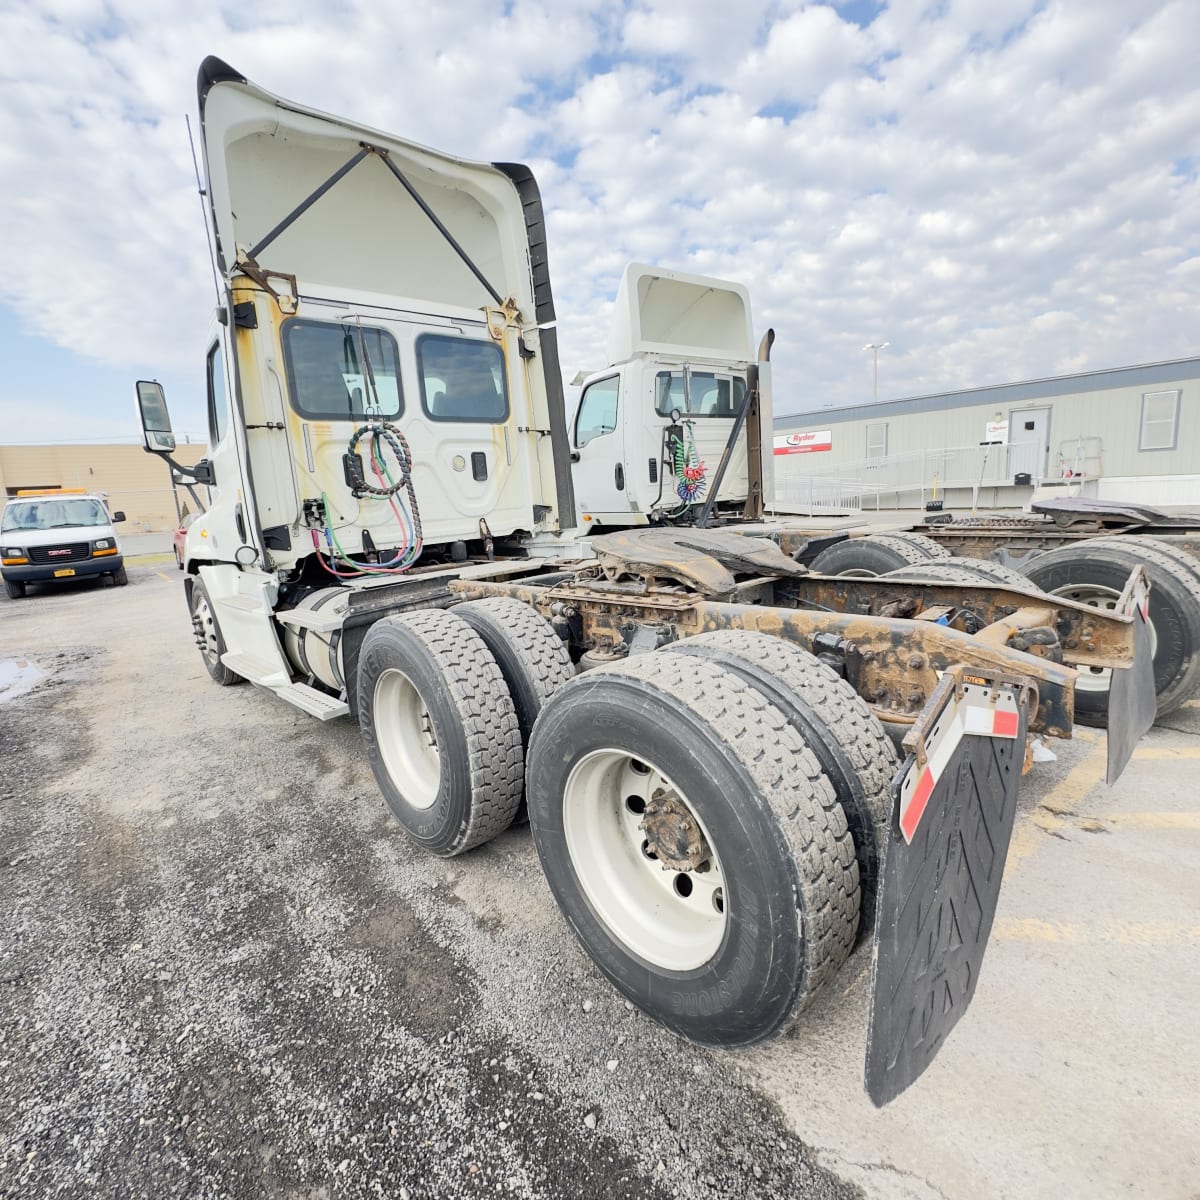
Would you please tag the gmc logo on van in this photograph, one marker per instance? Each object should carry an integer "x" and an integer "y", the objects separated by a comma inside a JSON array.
[{"x": 52, "y": 553}]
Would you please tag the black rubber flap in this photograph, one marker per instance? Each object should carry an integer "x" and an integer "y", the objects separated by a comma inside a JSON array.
[
  {"x": 1131, "y": 700},
  {"x": 936, "y": 903}
]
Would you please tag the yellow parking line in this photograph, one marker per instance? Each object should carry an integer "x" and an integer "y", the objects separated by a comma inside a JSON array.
[
  {"x": 1165, "y": 752},
  {"x": 1153, "y": 820},
  {"x": 1118, "y": 933},
  {"x": 161, "y": 575},
  {"x": 1062, "y": 798}
]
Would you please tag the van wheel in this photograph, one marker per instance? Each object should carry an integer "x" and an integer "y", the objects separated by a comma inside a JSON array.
[
  {"x": 207, "y": 633},
  {"x": 440, "y": 730},
  {"x": 15, "y": 588},
  {"x": 694, "y": 845},
  {"x": 843, "y": 734},
  {"x": 120, "y": 577}
]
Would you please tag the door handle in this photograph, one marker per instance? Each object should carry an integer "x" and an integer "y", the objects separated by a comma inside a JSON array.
[
  {"x": 619, "y": 477},
  {"x": 574, "y": 455}
]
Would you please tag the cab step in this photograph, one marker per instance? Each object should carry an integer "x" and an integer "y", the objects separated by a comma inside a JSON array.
[
  {"x": 317, "y": 704},
  {"x": 256, "y": 670}
]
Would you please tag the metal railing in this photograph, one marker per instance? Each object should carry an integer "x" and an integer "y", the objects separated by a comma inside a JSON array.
[
  {"x": 811, "y": 495},
  {"x": 845, "y": 486}
]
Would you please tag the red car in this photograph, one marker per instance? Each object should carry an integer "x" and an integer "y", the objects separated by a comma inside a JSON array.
[{"x": 179, "y": 535}]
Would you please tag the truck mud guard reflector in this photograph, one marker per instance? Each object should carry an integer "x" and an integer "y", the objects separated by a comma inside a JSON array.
[{"x": 954, "y": 801}]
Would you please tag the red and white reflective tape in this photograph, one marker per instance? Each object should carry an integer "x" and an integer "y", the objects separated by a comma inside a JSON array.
[{"x": 983, "y": 711}]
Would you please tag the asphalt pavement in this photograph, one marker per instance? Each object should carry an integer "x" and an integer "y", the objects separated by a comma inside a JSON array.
[{"x": 224, "y": 972}]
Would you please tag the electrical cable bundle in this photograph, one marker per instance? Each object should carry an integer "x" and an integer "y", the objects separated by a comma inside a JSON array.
[
  {"x": 689, "y": 471},
  {"x": 379, "y": 434}
]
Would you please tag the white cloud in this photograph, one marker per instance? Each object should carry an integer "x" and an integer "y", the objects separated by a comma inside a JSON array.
[{"x": 1001, "y": 192}]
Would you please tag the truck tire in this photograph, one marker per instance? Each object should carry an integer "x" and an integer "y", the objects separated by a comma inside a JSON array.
[
  {"x": 875, "y": 554},
  {"x": 845, "y": 737},
  {"x": 926, "y": 545},
  {"x": 752, "y": 901},
  {"x": 15, "y": 588},
  {"x": 207, "y": 632},
  {"x": 440, "y": 730},
  {"x": 966, "y": 570},
  {"x": 533, "y": 659},
  {"x": 1189, "y": 562},
  {"x": 1094, "y": 572},
  {"x": 120, "y": 577}
]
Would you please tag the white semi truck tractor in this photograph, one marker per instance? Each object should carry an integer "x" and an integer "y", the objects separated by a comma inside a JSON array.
[
  {"x": 670, "y": 434},
  {"x": 693, "y": 721}
]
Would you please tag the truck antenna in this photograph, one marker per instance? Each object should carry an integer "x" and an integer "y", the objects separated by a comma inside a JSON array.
[{"x": 209, "y": 235}]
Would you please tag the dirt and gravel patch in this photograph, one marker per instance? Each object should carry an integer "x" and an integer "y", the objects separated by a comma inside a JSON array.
[{"x": 225, "y": 972}]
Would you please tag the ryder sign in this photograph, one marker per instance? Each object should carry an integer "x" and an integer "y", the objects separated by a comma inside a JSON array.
[{"x": 804, "y": 443}]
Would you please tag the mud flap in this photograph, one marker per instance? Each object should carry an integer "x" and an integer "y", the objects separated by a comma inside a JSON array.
[
  {"x": 954, "y": 803},
  {"x": 1131, "y": 700}
]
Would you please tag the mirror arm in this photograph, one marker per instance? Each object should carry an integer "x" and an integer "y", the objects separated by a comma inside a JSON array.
[{"x": 202, "y": 472}]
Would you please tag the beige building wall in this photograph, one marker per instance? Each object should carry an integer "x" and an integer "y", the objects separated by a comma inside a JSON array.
[{"x": 134, "y": 481}]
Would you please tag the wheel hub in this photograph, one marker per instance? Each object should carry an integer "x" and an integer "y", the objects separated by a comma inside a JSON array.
[{"x": 672, "y": 833}]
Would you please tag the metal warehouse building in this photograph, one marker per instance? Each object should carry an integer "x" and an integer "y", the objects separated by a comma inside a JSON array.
[
  {"x": 134, "y": 481},
  {"x": 1131, "y": 433}
]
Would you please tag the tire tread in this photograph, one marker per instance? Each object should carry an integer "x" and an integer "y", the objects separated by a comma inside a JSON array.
[
  {"x": 480, "y": 697},
  {"x": 834, "y": 704},
  {"x": 799, "y": 793}
]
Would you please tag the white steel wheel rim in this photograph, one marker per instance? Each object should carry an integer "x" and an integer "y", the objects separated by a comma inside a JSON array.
[
  {"x": 1096, "y": 595},
  {"x": 407, "y": 743},
  {"x": 676, "y": 926},
  {"x": 206, "y": 630}
]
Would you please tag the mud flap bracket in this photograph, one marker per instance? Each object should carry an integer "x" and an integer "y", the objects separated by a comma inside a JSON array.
[{"x": 1132, "y": 702}]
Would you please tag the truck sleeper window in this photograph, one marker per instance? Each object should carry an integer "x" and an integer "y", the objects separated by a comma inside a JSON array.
[
  {"x": 709, "y": 395},
  {"x": 462, "y": 379},
  {"x": 328, "y": 377}
]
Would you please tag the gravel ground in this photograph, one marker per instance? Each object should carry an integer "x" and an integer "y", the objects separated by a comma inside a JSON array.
[{"x": 225, "y": 972}]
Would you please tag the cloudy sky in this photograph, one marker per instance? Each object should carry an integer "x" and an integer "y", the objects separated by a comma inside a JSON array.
[{"x": 1000, "y": 189}]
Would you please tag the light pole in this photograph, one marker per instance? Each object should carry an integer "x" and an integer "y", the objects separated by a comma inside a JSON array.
[{"x": 875, "y": 348}]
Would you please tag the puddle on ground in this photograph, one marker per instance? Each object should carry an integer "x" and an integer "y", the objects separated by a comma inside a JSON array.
[{"x": 18, "y": 676}]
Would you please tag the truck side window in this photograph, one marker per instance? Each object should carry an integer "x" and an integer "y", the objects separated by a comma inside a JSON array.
[
  {"x": 337, "y": 372},
  {"x": 218, "y": 412},
  {"x": 597, "y": 413},
  {"x": 462, "y": 379},
  {"x": 709, "y": 395}
]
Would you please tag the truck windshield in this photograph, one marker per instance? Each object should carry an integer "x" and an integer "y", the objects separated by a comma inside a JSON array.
[
  {"x": 710, "y": 395},
  {"x": 53, "y": 514}
]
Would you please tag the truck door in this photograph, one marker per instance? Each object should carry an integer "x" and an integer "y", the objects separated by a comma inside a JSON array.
[{"x": 600, "y": 483}]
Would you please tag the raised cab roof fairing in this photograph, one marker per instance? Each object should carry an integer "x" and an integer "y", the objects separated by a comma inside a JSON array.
[
  {"x": 366, "y": 234},
  {"x": 366, "y": 239},
  {"x": 670, "y": 314}
]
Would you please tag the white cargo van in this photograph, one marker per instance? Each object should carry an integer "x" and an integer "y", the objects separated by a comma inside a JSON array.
[{"x": 47, "y": 536}]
